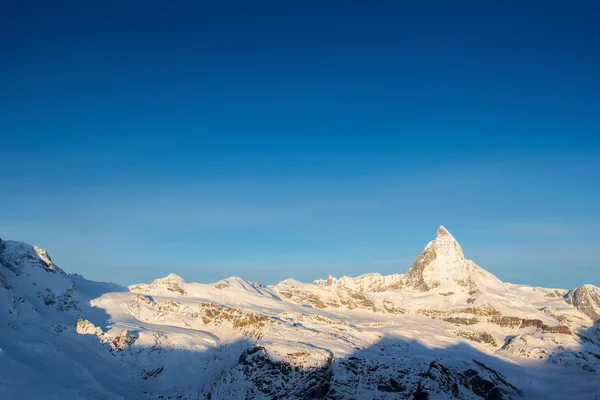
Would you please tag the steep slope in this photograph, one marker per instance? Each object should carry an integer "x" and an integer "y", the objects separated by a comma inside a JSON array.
[
  {"x": 587, "y": 300},
  {"x": 41, "y": 356},
  {"x": 443, "y": 265},
  {"x": 446, "y": 329},
  {"x": 34, "y": 285}
]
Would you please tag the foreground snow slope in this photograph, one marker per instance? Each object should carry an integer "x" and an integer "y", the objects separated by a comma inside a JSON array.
[{"x": 445, "y": 329}]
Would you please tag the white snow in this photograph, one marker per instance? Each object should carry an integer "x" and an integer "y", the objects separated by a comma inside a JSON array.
[{"x": 177, "y": 338}]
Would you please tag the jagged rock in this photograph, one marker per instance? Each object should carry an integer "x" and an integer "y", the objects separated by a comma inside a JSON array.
[
  {"x": 587, "y": 300},
  {"x": 482, "y": 382},
  {"x": 85, "y": 327},
  {"x": 123, "y": 340},
  {"x": 438, "y": 379},
  {"x": 561, "y": 329},
  {"x": 516, "y": 322},
  {"x": 145, "y": 300},
  {"x": 249, "y": 323},
  {"x": 479, "y": 337},
  {"x": 152, "y": 373},
  {"x": 461, "y": 320},
  {"x": 280, "y": 380}
]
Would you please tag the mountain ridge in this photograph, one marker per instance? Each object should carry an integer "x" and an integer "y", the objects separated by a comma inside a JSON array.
[{"x": 448, "y": 329}]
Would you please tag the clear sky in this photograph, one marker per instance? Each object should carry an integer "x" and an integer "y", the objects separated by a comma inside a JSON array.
[{"x": 300, "y": 139}]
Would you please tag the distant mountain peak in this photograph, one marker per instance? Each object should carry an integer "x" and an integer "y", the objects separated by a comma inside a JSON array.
[
  {"x": 442, "y": 232},
  {"x": 442, "y": 263},
  {"x": 168, "y": 284},
  {"x": 586, "y": 299}
]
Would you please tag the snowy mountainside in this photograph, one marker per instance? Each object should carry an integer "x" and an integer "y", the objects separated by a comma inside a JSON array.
[
  {"x": 587, "y": 300},
  {"x": 446, "y": 329}
]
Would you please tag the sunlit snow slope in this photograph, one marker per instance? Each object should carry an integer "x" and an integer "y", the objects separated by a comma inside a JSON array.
[{"x": 446, "y": 329}]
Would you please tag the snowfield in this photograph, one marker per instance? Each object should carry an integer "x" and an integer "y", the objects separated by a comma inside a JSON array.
[{"x": 447, "y": 329}]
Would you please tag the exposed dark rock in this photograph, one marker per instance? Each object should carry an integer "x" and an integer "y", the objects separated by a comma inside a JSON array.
[
  {"x": 461, "y": 320},
  {"x": 414, "y": 276},
  {"x": 564, "y": 330},
  {"x": 123, "y": 341},
  {"x": 516, "y": 322},
  {"x": 280, "y": 380},
  {"x": 437, "y": 379},
  {"x": 153, "y": 373},
  {"x": 479, "y": 337}
]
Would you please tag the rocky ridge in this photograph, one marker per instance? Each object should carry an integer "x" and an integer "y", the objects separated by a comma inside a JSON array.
[{"x": 445, "y": 329}]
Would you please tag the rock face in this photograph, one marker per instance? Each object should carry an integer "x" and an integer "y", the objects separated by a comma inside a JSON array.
[
  {"x": 85, "y": 327},
  {"x": 33, "y": 282},
  {"x": 123, "y": 341},
  {"x": 587, "y": 300},
  {"x": 480, "y": 382},
  {"x": 447, "y": 329}
]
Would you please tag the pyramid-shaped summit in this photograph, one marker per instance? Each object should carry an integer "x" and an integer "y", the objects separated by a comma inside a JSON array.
[
  {"x": 443, "y": 265},
  {"x": 442, "y": 232}
]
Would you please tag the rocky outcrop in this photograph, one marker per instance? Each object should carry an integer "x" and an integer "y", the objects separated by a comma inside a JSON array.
[
  {"x": 461, "y": 320},
  {"x": 152, "y": 373},
  {"x": 477, "y": 336},
  {"x": 216, "y": 315},
  {"x": 144, "y": 299},
  {"x": 560, "y": 329},
  {"x": 587, "y": 300},
  {"x": 391, "y": 307},
  {"x": 516, "y": 322},
  {"x": 85, "y": 327},
  {"x": 437, "y": 379},
  {"x": 279, "y": 379},
  {"x": 481, "y": 381},
  {"x": 123, "y": 340}
]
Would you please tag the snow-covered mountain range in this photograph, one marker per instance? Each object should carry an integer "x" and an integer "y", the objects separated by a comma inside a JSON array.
[{"x": 446, "y": 329}]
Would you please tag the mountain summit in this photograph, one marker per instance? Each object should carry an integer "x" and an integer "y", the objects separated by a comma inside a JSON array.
[
  {"x": 442, "y": 264},
  {"x": 442, "y": 231}
]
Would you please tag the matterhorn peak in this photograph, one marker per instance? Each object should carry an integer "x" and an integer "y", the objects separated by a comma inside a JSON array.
[
  {"x": 442, "y": 263},
  {"x": 442, "y": 232},
  {"x": 445, "y": 244}
]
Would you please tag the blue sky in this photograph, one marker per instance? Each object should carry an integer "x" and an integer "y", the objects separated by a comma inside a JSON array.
[{"x": 277, "y": 139}]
